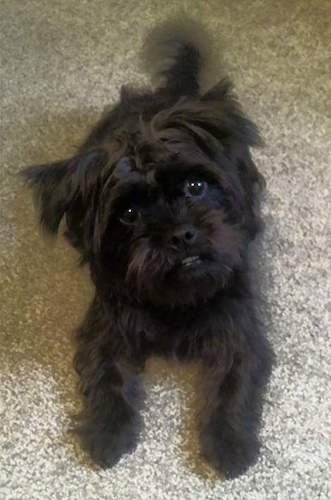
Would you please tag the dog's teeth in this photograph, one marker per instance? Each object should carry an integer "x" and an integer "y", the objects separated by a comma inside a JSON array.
[{"x": 189, "y": 260}]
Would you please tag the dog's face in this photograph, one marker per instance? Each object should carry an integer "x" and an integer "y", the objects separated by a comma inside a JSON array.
[
  {"x": 173, "y": 232},
  {"x": 162, "y": 210}
]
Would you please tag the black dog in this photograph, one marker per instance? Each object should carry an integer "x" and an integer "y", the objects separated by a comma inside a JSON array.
[{"x": 160, "y": 201}]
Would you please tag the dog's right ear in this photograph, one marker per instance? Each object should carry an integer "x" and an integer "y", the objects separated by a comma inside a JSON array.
[
  {"x": 64, "y": 189},
  {"x": 52, "y": 191}
]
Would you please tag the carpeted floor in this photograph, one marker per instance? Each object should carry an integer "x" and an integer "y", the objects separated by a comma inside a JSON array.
[{"x": 62, "y": 61}]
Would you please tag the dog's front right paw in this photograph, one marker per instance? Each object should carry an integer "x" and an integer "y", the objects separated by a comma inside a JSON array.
[{"x": 106, "y": 443}]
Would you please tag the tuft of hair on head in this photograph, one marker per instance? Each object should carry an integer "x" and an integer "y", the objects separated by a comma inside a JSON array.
[{"x": 177, "y": 53}]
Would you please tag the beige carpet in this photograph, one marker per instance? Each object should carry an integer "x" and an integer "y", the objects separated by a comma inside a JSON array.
[{"x": 62, "y": 61}]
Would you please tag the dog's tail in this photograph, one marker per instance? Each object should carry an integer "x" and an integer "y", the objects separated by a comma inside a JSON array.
[{"x": 176, "y": 53}]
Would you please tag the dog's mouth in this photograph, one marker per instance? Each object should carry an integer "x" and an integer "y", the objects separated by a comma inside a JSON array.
[{"x": 192, "y": 261}]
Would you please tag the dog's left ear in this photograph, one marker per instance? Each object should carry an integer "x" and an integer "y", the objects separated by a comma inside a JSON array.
[
  {"x": 252, "y": 183},
  {"x": 66, "y": 189},
  {"x": 237, "y": 134}
]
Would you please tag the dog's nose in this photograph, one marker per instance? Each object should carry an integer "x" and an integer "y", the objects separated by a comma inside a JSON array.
[{"x": 185, "y": 234}]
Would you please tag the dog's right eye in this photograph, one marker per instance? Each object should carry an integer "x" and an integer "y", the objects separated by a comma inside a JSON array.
[
  {"x": 195, "y": 187},
  {"x": 129, "y": 215}
]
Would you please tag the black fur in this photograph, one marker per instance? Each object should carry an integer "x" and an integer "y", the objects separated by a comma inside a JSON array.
[{"x": 180, "y": 161}]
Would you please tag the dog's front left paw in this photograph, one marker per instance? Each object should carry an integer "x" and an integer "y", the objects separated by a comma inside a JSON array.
[
  {"x": 105, "y": 443},
  {"x": 228, "y": 452}
]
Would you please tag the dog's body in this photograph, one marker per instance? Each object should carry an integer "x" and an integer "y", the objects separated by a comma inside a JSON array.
[{"x": 160, "y": 201}]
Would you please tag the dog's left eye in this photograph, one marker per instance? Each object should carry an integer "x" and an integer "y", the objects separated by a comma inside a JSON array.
[
  {"x": 195, "y": 187},
  {"x": 129, "y": 215}
]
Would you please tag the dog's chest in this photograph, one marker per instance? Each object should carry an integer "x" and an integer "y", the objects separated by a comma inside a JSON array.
[{"x": 181, "y": 334}]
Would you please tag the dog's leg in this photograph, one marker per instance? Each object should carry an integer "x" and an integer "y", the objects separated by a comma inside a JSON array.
[
  {"x": 229, "y": 434},
  {"x": 108, "y": 425}
]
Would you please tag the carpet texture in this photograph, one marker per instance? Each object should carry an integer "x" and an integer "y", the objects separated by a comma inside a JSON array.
[{"x": 62, "y": 61}]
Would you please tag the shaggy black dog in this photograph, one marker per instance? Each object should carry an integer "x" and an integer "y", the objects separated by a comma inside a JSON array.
[{"x": 160, "y": 202}]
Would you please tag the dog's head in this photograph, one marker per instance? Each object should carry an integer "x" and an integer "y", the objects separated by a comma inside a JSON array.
[{"x": 160, "y": 200}]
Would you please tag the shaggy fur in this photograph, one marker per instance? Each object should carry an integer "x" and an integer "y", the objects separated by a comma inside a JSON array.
[{"x": 166, "y": 175}]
